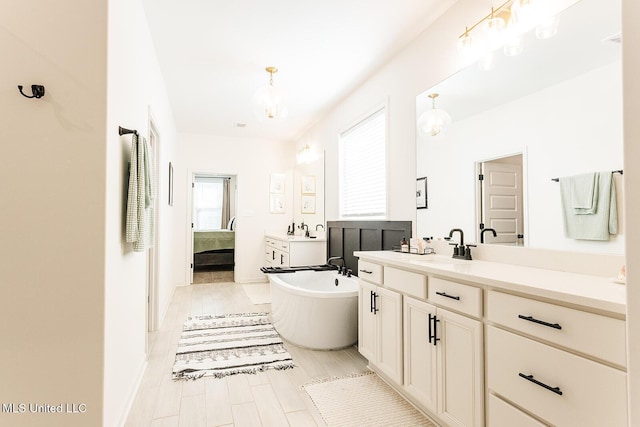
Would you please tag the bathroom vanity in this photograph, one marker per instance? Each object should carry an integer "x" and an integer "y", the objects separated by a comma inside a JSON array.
[
  {"x": 475, "y": 343},
  {"x": 292, "y": 251}
]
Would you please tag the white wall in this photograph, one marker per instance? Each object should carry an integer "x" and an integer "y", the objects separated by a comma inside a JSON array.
[
  {"x": 578, "y": 136},
  {"x": 252, "y": 161},
  {"x": 53, "y": 208},
  {"x": 135, "y": 89},
  {"x": 631, "y": 97}
]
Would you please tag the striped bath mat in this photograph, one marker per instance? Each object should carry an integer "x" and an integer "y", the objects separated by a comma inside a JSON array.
[{"x": 231, "y": 344}]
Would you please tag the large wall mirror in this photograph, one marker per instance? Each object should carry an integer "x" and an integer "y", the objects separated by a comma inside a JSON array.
[
  {"x": 554, "y": 110},
  {"x": 308, "y": 192}
]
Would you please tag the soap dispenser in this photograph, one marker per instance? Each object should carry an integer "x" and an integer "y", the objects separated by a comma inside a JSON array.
[{"x": 404, "y": 245}]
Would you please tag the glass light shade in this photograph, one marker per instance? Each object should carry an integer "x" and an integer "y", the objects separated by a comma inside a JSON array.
[
  {"x": 487, "y": 62},
  {"x": 548, "y": 27},
  {"x": 513, "y": 41},
  {"x": 466, "y": 49},
  {"x": 525, "y": 14},
  {"x": 268, "y": 103},
  {"x": 433, "y": 122},
  {"x": 494, "y": 32}
]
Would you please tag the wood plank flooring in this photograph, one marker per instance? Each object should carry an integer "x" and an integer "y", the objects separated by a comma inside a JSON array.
[{"x": 271, "y": 398}]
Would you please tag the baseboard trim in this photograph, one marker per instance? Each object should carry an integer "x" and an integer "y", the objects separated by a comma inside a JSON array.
[{"x": 132, "y": 396}]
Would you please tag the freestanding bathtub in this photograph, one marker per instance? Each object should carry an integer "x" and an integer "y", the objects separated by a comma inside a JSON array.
[{"x": 315, "y": 309}]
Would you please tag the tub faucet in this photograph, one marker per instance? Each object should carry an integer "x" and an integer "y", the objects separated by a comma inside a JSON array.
[
  {"x": 487, "y": 229},
  {"x": 336, "y": 258}
]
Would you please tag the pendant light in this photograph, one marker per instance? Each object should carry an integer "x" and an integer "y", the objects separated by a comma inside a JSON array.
[
  {"x": 433, "y": 122},
  {"x": 268, "y": 101}
]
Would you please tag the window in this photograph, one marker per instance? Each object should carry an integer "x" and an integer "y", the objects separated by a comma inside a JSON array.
[
  {"x": 362, "y": 168},
  {"x": 207, "y": 203}
]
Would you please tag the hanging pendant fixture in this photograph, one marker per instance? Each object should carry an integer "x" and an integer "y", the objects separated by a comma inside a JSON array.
[
  {"x": 434, "y": 122},
  {"x": 268, "y": 101}
]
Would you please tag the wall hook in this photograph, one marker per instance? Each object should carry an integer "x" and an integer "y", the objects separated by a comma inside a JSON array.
[{"x": 37, "y": 90}]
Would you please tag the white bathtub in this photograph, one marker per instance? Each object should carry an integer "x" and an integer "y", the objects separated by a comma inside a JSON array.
[{"x": 310, "y": 310}]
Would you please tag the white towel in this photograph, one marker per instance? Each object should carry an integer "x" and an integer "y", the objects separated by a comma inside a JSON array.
[
  {"x": 140, "y": 207},
  {"x": 599, "y": 225},
  {"x": 584, "y": 193}
]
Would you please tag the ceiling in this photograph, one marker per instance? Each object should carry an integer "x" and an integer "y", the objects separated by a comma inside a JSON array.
[{"x": 213, "y": 56}]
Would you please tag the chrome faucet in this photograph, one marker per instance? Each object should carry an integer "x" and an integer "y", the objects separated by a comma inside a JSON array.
[{"x": 484, "y": 230}]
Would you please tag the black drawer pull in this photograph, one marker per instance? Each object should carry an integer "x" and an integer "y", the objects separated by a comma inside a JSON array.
[
  {"x": 371, "y": 302},
  {"x": 367, "y": 271},
  {"x": 444, "y": 294},
  {"x": 556, "y": 390},
  {"x": 540, "y": 322}
]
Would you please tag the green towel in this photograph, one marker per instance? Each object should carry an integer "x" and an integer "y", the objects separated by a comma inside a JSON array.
[
  {"x": 599, "y": 225},
  {"x": 141, "y": 195},
  {"x": 584, "y": 193}
]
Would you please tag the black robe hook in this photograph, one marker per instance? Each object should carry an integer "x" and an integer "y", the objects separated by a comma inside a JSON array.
[{"x": 37, "y": 90}]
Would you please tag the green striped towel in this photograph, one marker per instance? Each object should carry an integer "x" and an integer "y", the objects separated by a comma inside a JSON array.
[{"x": 141, "y": 195}]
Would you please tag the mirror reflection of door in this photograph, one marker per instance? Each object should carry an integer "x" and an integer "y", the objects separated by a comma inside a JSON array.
[{"x": 501, "y": 200}]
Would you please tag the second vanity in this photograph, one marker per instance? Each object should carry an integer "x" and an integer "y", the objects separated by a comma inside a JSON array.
[
  {"x": 475, "y": 343},
  {"x": 291, "y": 251}
]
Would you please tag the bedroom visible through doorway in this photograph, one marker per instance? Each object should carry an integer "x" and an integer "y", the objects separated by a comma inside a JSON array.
[{"x": 213, "y": 225}]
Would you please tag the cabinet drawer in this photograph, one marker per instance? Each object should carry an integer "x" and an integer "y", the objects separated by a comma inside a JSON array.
[
  {"x": 283, "y": 245},
  {"x": 502, "y": 414},
  {"x": 463, "y": 298},
  {"x": 405, "y": 281},
  {"x": 588, "y": 393},
  {"x": 599, "y": 336},
  {"x": 370, "y": 272},
  {"x": 269, "y": 254}
]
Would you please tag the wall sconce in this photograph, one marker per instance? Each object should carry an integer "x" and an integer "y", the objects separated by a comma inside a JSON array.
[
  {"x": 504, "y": 26},
  {"x": 306, "y": 155}
]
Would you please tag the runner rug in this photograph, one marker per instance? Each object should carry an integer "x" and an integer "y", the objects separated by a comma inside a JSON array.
[
  {"x": 363, "y": 400},
  {"x": 231, "y": 344}
]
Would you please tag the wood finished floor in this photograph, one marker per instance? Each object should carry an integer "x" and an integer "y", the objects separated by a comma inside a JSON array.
[{"x": 270, "y": 399}]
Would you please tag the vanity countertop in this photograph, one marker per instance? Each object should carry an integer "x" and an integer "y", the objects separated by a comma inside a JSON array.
[
  {"x": 295, "y": 238},
  {"x": 596, "y": 292}
]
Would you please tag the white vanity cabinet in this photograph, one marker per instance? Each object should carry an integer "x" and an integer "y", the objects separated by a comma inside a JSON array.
[
  {"x": 443, "y": 363},
  {"x": 556, "y": 362},
  {"x": 498, "y": 345},
  {"x": 286, "y": 251},
  {"x": 380, "y": 326}
]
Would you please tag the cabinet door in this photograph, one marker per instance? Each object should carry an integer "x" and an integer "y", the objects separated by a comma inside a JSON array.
[
  {"x": 366, "y": 322},
  {"x": 460, "y": 370},
  {"x": 420, "y": 374},
  {"x": 389, "y": 319}
]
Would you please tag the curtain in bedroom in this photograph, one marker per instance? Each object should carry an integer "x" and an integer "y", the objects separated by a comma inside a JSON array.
[{"x": 226, "y": 203}]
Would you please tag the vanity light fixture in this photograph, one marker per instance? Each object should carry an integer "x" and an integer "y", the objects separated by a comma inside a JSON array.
[
  {"x": 306, "y": 155},
  {"x": 268, "y": 100},
  {"x": 434, "y": 121},
  {"x": 504, "y": 26}
]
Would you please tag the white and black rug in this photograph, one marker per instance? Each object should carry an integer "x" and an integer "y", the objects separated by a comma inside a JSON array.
[{"x": 231, "y": 344}]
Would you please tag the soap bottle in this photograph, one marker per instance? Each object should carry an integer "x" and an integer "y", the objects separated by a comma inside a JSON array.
[{"x": 404, "y": 245}]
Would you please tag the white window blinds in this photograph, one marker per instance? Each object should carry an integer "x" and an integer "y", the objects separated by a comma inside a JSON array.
[
  {"x": 207, "y": 203},
  {"x": 362, "y": 168}
]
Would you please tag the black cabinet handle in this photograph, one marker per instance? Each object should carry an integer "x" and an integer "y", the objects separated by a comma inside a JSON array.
[
  {"x": 444, "y": 294},
  {"x": 273, "y": 255},
  {"x": 281, "y": 258},
  {"x": 371, "y": 302},
  {"x": 539, "y": 322},
  {"x": 556, "y": 390},
  {"x": 433, "y": 336},
  {"x": 367, "y": 271},
  {"x": 375, "y": 303}
]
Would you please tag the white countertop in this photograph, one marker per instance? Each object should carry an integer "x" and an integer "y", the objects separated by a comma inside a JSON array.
[
  {"x": 600, "y": 293},
  {"x": 286, "y": 237}
]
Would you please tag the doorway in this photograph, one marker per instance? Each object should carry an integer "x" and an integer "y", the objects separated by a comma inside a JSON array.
[
  {"x": 152, "y": 252},
  {"x": 213, "y": 228},
  {"x": 500, "y": 200}
]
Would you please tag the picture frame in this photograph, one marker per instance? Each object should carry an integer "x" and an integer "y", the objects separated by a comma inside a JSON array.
[
  {"x": 308, "y": 204},
  {"x": 421, "y": 193},
  {"x": 170, "y": 198},
  {"x": 308, "y": 184},
  {"x": 276, "y": 203},
  {"x": 277, "y": 183}
]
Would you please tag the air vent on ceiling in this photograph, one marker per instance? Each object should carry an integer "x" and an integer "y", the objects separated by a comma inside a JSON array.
[
  {"x": 613, "y": 38},
  {"x": 241, "y": 125}
]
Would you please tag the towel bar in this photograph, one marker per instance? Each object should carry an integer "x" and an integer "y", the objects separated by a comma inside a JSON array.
[
  {"x": 124, "y": 131},
  {"x": 618, "y": 171}
]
